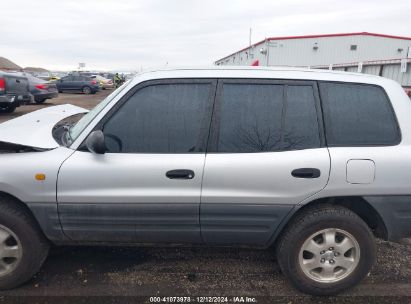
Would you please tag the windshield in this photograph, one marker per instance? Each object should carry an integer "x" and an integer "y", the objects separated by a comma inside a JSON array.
[{"x": 76, "y": 130}]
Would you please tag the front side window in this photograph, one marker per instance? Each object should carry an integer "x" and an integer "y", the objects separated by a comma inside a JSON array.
[
  {"x": 267, "y": 117},
  {"x": 164, "y": 118},
  {"x": 79, "y": 127},
  {"x": 358, "y": 114}
]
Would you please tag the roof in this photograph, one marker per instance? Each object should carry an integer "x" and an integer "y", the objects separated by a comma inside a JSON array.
[
  {"x": 6, "y": 64},
  {"x": 340, "y": 35},
  {"x": 319, "y": 36},
  {"x": 249, "y": 72},
  {"x": 217, "y": 69}
]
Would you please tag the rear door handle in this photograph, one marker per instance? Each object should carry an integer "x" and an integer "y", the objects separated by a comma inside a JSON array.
[
  {"x": 180, "y": 174},
  {"x": 306, "y": 173}
]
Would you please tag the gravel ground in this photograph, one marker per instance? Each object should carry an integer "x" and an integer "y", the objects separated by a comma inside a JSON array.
[
  {"x": 120, "y": 274},
  {"x": 126, "y": 272}
]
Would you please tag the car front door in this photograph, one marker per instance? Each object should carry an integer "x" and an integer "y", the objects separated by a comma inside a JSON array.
[
  {"x": 146, "y": 187},
  {"x": 266, "y": 154},
  {"x": 65, "y": 83}
]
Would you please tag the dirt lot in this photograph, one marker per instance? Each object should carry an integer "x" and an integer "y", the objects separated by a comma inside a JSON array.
[{"x": 87, "y": 272}]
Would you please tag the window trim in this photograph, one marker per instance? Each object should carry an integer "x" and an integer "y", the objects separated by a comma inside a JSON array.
[
  {"x": 216, "y": 118},
  {"x": 206, "y": 119},
  {"x": 390, "y": 106}
]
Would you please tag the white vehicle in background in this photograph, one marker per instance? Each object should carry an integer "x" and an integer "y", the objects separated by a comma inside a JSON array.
[
  {"x": 104, "y": 82},
  {"x": 311, "y": 163}
]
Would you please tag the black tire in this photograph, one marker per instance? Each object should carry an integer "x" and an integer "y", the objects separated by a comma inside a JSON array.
[
  {"x": 86, "y": 90},
  {"x": 40, "y": 100},
  {"x": 60, "y": 91},
  {"x": 33, "y": 243},
  {"x": 310, "y": 222},
  {"x": 8, "y": 109}
]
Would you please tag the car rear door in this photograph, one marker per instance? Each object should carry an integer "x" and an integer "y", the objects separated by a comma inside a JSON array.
[
  {"x": 146, "y": 188},
  {"x": 78, "y": 82},
  {"x": 266, "y": 154}
]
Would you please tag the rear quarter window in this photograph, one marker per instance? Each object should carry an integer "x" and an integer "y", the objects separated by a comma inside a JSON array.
[{"x": 358, "y": 114}]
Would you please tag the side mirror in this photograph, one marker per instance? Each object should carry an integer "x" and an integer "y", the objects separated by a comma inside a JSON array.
[{"x": 95, "y": 142}]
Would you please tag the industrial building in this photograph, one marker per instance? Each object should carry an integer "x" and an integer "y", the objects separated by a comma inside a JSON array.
[{"x": 377, "y": 54}]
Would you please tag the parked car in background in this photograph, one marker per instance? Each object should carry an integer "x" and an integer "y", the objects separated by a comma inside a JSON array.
[
  {"x": 78, "y": 83},
  {"x": 41, "y": 89},
  {"x": 104, "y": 82},
  {"x": 14, "y": 89},
  {"x": 108, "y": 76},
  {"x": 46, "y": 76}
]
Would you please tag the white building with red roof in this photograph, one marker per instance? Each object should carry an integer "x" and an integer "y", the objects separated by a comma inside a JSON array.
[{"x": 385, "y": 55}]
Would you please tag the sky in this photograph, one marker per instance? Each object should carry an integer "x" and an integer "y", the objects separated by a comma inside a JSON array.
[{"x": 129, "y": 35}]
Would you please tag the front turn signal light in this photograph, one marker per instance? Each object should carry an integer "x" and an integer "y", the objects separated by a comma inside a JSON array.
[{"x": 40, "y": 176}]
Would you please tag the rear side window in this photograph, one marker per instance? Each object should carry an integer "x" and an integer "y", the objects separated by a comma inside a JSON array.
[
  {"x": 267, "y": 117},
  {"x": 358, "y": 114},
  {"x": 300, "y": 119}
]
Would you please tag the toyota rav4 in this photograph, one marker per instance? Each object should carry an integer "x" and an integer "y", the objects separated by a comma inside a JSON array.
[{"x": 313, "y": 164}]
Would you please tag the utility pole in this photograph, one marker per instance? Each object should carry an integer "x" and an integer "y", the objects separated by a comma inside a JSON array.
[{"x": 249, "y": 40}]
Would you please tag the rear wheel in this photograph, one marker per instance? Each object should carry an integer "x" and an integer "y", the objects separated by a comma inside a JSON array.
[
  {"x": 23, "y": 248},
  {"x": 86, "y": 90},
  {"x": 326, "y": 250},
  {"x": 40, "y": 100}
]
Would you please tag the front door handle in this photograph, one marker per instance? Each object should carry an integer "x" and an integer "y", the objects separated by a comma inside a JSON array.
[
  {"x": 180, "y": 174},
  {"x": 306, "y": 173}
]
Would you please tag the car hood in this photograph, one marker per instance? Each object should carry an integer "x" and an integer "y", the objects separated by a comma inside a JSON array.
[{"x": 35, "y": 129}]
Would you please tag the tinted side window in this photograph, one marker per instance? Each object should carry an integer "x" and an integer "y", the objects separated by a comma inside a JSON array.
[
  {"x": 267, "y": 117},
  {"x": 300, "y": 123},
  {"x": 358, "y": 114},
  {"x": 160, "y": 119}
]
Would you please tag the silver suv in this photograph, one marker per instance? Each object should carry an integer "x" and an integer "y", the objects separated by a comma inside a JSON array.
[{"x": 311, "y": 163}]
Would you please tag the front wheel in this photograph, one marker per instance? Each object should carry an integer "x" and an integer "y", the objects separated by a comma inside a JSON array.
[
  {"x": 8, "y": 108},
  {"x": 23, "y": 247},
  {"x": 326, "y": 250}
]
